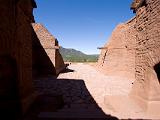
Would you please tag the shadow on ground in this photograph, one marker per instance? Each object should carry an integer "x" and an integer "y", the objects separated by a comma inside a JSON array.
[
  {"x": 64, "y": 99},
  {"x": 67, "y": 70}
]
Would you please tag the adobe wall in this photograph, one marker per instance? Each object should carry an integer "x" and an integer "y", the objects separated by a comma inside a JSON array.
[
  {"x": 59, "y": 63},
  {"x": 146, "y": 88},
  {"x": 15, "y": 54},
  {"x": 41, "y": 64},
  {"x": 50, "y": 45},
  {"x": 117, "y": 57}
]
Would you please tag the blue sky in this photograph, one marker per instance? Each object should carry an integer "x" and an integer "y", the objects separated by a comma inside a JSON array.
[{"x": 82, "y": 24}]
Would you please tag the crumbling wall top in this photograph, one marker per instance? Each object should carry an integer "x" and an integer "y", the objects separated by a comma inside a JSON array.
[{"x": 137, "y": 4}]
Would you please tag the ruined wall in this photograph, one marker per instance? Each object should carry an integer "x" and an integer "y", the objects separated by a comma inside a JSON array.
[
  {"x": 50, "y": 45},
  {"x": 59, "y": 63},
  {"x": 118, "y": 55},
  {"x": 16, "y": 54},
  {"x": 41, "y": 63},
  {"x": 147, "y": 87}
]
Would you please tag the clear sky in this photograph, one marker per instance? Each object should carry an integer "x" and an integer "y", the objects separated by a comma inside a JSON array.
[{"x": 82, "y": 24}]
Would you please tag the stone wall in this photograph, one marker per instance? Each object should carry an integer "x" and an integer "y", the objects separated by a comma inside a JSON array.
[
  {"x": 146, "y": 88},
  {"x": 42, "y": 64},
  {"x": 117, "y": 57},
  {"x": 15, "y": 55},
  {"x": 50, "y": 45},
  {"x": 133, "y": 51}
]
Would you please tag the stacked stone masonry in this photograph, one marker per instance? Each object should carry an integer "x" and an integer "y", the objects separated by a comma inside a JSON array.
[
  {"x": 146, "y": 88},
  {"x": 23, "y": 56},
  {"x": 16, "y": 91},
  {"x": 118, "y": 55},
  {"x": 133, "y": 51},
  {"x": 50, "y": 45}
]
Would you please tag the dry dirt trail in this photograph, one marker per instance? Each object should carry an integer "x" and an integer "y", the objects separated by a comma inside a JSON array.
[
  {"x": 89, "y": 94},
  {"x": 97, "y": 83},
  {"x": 100, "y": 86}
]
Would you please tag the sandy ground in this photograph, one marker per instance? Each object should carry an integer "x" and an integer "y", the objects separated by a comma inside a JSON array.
[
  {"x": 100, "y": 86},
  {"x": 97, "y": 83},
  {"x": 84, "y": 88}
]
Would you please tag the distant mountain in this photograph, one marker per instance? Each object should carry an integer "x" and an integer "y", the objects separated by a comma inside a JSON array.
[{"x": 72, "y": 55}]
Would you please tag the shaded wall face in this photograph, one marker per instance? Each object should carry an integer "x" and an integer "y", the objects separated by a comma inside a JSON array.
[
  {"x": 147, "y": 86},
  {"x": 8, "y": 77},
  {"x": 48, "y": 44},
  {"x": 42, "y": 65},
  {"x": 59, "y": 62},
  {"x": 60, "y": 66},
  {"x": 157, "y": 70},
  {"x": 55, "y": 57},
  {"x": 16, "y": 43}
]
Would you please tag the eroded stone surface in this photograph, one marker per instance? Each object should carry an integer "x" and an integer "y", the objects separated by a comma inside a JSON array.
[
  {"x": 16, "y": 54},
  {"x": 118, "y": 55},
  {"x": 146, "y": 87},
  {"x": 138, "y": 54},
  {"x": 50, "y": 45}
]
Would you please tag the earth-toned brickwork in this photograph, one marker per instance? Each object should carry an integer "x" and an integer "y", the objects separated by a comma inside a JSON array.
[
  {"x": 146, "y": 88},
  {"x": 16, "y": 90},
  {"x": 134, "y": 52},
  {"x": 50, "y": 45},
  {"x": 125, "y": 85},
  {"x": 118, "y": 55}
]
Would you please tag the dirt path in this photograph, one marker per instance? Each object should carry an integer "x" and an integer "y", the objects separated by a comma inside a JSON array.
[
  {"x": 109, "y": 92},
  {"x": 97, "y": 83},
  {"x": 100, "y": 85},
  {"x": 88, "y": 93}
]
